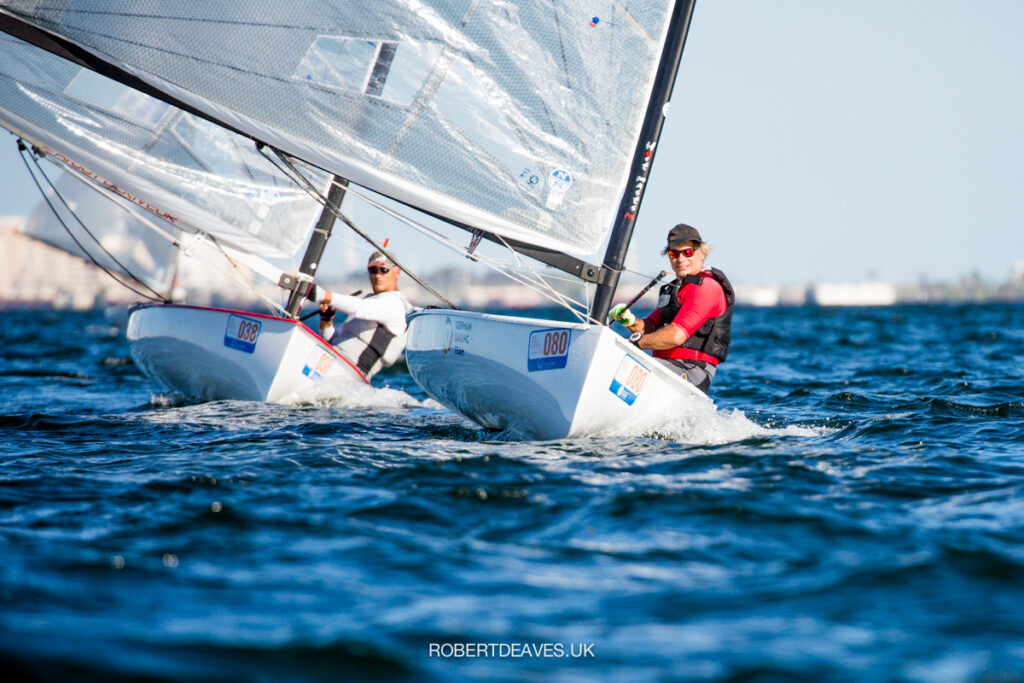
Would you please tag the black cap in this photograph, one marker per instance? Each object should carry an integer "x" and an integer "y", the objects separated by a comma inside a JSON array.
[{"x": 681, "y": 234}]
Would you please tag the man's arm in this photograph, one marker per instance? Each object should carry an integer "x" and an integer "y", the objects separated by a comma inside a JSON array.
[
  {"x": 641, "y": 325},
  {"x": 375, "y": 308},
  {"x": 667, "y": 337},
  {"x": 387, "y": 308}
]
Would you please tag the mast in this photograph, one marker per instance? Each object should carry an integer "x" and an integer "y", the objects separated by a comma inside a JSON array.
[
  {"x": 317, "y": 243},
  {"x": 643, "y": 158}
]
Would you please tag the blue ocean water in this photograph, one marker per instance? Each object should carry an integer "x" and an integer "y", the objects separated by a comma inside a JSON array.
[{"x": 853, "y": 511}]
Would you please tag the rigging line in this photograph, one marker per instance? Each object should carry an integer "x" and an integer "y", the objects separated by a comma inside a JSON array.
[
  {"x": 502, "y": 268},
  {"x": 94, "y": 238},
  {"x": 285, "y": 159},
  {"x": 85, "y": 251},
  {"x": 553, "y": 296},
  {"x": 538, "y": 284},
  {"x": 236, "y": 273},
  {"x": 540, "y": 278},
  {"x": 160, "y": 232}
]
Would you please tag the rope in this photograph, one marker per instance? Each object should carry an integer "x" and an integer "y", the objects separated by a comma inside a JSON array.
[
  {"x": 536, "y": 283},
  {"x": 313, "y": 190},
  {"x": 156, "y": 295},
  {"x": 197, "y": 236}
]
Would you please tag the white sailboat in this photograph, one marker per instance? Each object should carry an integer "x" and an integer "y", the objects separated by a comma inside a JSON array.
[
  {"x": 149, "y": 189},
  {"x": 532, "y": 125}
]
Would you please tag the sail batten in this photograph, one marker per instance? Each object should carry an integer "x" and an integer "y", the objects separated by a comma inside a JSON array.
[{"x": 512, "y": 118}]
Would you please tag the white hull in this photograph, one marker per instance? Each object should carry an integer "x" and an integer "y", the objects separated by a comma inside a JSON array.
[
  {"x": 210, "y": 354},
  {"x": 541, "y": 379}
]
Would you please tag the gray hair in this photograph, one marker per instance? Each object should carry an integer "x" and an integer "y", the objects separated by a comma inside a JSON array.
[{"x": 379, "y": 256}]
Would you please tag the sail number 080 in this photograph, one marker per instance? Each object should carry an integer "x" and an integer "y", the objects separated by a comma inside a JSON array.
[
  {"x": 636, "y": 379},
  {"x": 556, "y": 343}
]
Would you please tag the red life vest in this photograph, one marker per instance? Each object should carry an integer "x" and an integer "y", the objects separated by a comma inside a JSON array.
[{"x": 715, "y": 335}]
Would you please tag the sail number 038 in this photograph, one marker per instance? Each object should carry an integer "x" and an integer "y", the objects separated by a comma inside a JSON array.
[{"x": 247, "y": 331}]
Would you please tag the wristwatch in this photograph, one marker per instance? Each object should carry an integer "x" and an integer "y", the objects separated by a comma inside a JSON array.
[{"x": 635, "y": 337}]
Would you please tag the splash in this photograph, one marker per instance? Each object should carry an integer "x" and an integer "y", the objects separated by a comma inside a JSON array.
[
  {"x": 703, "y": 424},
  {"x": 340, "y": 392},
  {"x": 167, "y": 399}
]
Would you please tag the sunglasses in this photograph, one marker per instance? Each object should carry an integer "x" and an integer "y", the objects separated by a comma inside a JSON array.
[
  {"x": 378, "y": 270},
  {"x": 675, "y": 253}
]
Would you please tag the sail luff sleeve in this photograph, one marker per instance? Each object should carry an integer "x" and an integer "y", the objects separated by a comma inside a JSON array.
[{"x": 643, "y": 158}]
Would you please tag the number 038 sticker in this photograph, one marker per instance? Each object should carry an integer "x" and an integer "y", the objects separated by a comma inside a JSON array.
[
  {"x": 629, "y": 379},
  {"x": 242, "y": 333}
]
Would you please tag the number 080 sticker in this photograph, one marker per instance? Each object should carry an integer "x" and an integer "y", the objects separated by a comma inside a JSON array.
[
  {"x": 242, "y": 333},
  {"x": 629, "y": 379},
  {"x": 549, "y": 350}
]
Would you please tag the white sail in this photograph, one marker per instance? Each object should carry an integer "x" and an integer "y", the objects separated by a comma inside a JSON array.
[
  {"x": 112, "y": 237},
  {"x": 195, "y": 175},
  {"x": 514, "y": 118}
]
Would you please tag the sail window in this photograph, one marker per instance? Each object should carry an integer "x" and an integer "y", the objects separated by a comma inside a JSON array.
[
  {"x": 115, "y": 98},
  {"x": 389, "y": 70},
  {"x": 210, "y": 145},
  {"x": 483, "y": 122}
]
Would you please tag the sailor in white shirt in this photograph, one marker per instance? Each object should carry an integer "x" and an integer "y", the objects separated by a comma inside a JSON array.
[{"x": 373, "y": 335}]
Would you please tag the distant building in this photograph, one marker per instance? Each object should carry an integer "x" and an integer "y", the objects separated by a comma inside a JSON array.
[
  {"x": 853, "y": 294},
  {"x": 1017, "y": 273},
  {"x": 757, "y": 295},
  {"x": 33, "y": 274}
]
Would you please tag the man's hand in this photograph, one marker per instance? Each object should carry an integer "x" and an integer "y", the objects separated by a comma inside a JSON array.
[
  {"x": 326, "y": 313},
  {"x": 622, "y": 315}
]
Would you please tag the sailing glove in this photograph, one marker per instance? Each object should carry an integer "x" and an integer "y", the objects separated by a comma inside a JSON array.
[
  {"x": 327, "y": 314},
  {"x": 621, "y": 314}
]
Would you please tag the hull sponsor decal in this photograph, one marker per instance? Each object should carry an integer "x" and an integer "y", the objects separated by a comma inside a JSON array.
[
  {"x": 549, "y": 350},
  {"x": 318, "y": 363},
  {"x": 242, "y": 333},
  {"x": 629, "y": 379}
]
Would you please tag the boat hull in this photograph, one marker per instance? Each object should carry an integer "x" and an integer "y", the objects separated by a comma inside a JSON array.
[
  {"x": 540, "y": 379},
  {"x": 212, "y": 353}
]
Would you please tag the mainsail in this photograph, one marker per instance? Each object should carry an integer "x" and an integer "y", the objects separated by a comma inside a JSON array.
[
  {"x": 112, "y": 237},
  {"x": 518, "y": 119},
  {"x": 180, "y": 167}
]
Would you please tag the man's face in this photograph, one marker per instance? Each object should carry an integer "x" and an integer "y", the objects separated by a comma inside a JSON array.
[
  {"x": 684, "y": 265},
  {"x": 382, "y": 281}
]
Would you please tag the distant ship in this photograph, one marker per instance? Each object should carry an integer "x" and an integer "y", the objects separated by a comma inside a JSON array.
[{"x": 853, "y": 294}]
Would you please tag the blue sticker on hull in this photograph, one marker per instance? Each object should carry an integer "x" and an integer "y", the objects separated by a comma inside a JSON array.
[
  {"x": 629, "y": 379},
  {"x": 242, "y": 333},
  {"x": 549, "y": 350}
]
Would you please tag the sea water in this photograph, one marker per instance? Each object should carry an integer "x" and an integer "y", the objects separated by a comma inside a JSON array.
[{"x": 851, "y": 510}]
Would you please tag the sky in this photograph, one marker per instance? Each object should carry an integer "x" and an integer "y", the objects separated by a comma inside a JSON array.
[{"x": 816, "y": 141}]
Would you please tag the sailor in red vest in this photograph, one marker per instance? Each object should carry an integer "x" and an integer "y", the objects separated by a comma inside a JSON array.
[
  {"x": 373, "y": 334},
  {"x": 691, "y": 328}
]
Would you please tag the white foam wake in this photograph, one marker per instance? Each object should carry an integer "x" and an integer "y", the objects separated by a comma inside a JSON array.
[
  {"x": 340, "y": 392},
  {"x": 703, "y": 424}
]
